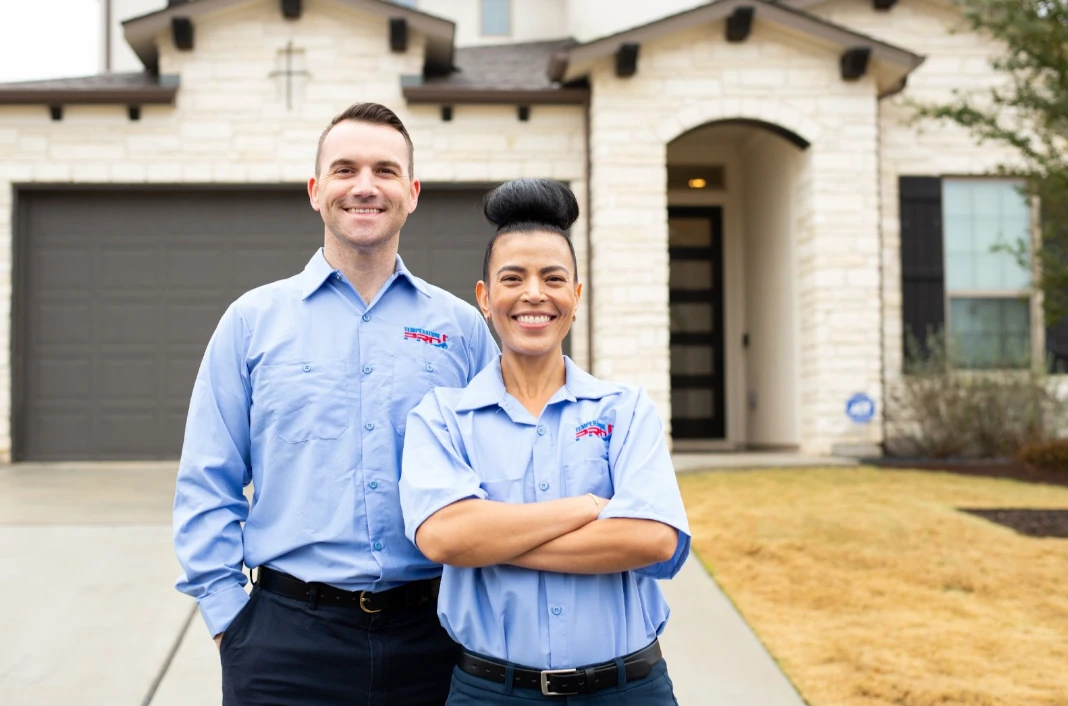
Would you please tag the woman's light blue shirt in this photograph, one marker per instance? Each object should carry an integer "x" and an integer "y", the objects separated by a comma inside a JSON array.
[{"x": 592, "y": 437}]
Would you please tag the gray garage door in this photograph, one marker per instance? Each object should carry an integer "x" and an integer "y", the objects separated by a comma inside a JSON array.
[{"x": 118, "y": 291}]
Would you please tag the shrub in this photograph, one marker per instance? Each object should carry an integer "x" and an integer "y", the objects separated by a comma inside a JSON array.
[
  {"x": 1045, "y": 455},
  {"x": 939, "y": 411}
]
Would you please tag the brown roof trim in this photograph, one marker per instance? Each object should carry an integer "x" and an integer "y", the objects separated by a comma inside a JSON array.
[
  {"x": 455, "y": 95},
  {"x": 148, "y": 95},
  {"x": 141, "y": 32},
  {"x": 779, "y": 13}
]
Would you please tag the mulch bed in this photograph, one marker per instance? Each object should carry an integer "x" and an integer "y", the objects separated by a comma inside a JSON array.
[
  {"x": 1033, "y": 523},
  {"x": 974, "y": 467}
]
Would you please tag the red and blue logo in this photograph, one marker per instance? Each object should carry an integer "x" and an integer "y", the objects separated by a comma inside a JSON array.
[
  {"x": 593, "y": 429},
  {"x": 438, "y": 340}
]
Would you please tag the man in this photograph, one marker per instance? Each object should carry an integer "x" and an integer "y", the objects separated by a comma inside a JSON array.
[{"x": 304, "y": 391}]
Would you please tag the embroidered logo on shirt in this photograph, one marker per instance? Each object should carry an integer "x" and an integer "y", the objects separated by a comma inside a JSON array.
[
  {"x": 594, "y": 428},
  {"x": 438, "y": 340}
]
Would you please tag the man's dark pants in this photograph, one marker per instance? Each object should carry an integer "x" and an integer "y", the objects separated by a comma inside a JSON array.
[{"x": 283, "y": 652}]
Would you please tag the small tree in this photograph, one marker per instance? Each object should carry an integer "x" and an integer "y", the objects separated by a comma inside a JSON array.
[{"x": 1029, "y": 113}]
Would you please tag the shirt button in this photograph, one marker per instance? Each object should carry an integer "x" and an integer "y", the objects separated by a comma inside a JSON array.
[
  {"x": 369, "y": 426},
  {"x": 366, "y": 317},
  {"x": 543, "y": 485},
  {"x": 367, "y": 369},
  {"x": 541, "y": 431},
  {"x": 430, "y": 367},
  {"x": 378, "y": 546},
  {"x": 306, "y": 368},
  {"x": 557, "y": 610},
  {"x": 373, "y": 484},
  {"x": 338, "y": 275}
]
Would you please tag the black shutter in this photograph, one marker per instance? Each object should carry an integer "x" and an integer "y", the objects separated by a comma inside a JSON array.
[
  {"x": 1057, "y": 333},
  {"x": 922, "y": 269}
]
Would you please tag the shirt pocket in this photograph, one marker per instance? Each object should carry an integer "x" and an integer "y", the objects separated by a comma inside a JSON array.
[
  {"x": 588, "y": 476},
  {"x": 307, "y": 400},
  {"x": 412, "y": 377}
]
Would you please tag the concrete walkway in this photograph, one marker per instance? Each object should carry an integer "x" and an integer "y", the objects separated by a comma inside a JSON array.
[{"x": 90, "y": 616}]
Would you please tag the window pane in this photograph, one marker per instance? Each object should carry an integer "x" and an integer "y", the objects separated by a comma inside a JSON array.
[
  {"x": 691, "y": 318},
  {"x": 689, "y": 233},
  {"x": 691, "y": 360},
  {"x": 977, "y": 216},
  {"x": 692, "y": 404},
  {"x": 496, "y": 17},
  {"x": 690, "y": 274},
  {"x": 990, "y": 333}
]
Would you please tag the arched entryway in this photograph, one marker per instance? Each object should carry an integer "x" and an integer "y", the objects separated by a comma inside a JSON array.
[{"x": 737, "y": 198}]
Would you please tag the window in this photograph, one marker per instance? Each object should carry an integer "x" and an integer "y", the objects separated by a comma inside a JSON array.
[
  {"x": 988, "y": 306},
  {"x": 496, "y": 18}
]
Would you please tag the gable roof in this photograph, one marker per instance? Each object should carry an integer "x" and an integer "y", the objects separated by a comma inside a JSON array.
[
  {"x": 575, "y": 63},
  {"x": 507, "y": 73},
  {"x": 141, "y": 31}
]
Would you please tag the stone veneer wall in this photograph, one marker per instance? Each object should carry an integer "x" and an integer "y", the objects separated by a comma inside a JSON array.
[
  {"x": 229, "y": 127},
  {"x": 696, "y": 77},
  {"x": 957, "y": 60}
]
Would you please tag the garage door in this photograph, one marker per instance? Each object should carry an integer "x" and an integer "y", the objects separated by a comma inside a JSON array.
[{"x": 117, "y": 293}]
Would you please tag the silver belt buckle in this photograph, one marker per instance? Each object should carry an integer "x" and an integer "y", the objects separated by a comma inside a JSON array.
[{"x": 546, "y": 673}]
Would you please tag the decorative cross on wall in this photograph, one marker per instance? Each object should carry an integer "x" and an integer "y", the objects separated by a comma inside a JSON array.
[{"x": 291, "y": 63}]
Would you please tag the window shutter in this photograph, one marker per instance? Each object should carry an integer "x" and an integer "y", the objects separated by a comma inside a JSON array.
[
  {"x": 1057, "y": 334},
  {"x": 922, "y": 267}
]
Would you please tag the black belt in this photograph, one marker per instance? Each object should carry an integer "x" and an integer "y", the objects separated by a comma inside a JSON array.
[
  {"x": 565, "y": 682},
  {"x": 409, "y": 595}
]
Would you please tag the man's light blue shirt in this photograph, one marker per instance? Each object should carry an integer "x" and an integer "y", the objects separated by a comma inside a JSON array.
[
  {"x": 304, "y": 391},
  {"x": 592, "y": 437}
]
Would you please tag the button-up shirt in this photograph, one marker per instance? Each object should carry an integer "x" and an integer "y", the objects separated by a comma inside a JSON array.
[
  {"x": 592, "y": 437},
  {"x": 304, "y": 391}
]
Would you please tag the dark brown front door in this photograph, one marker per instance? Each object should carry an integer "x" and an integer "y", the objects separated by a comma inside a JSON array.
[{"x": 695, "y": 245}]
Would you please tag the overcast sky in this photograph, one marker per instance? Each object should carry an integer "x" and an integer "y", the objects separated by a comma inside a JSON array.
[{"x": 48, "y": 39}]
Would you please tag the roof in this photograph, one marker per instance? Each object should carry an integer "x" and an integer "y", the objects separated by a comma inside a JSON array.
[
  {"x": 141, "y": 31},
  {"x": 131, "y": 88},
  {"x": 577, "y": 61},
  {"x": 508, "y": 73}
]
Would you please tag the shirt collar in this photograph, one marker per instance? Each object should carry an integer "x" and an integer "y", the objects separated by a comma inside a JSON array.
[
  {"x": 487, "y": 388},
  {"x": 318, "y": 270}
]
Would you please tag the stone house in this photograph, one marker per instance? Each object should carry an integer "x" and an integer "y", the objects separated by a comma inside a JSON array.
[{"x": 761, "y": 223}]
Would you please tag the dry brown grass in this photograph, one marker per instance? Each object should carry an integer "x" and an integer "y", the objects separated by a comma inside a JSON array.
[{"x": 869, "y": 588}]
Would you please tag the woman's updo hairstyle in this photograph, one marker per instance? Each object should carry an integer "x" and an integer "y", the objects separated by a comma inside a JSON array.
[{"x": 528, "y": 206}]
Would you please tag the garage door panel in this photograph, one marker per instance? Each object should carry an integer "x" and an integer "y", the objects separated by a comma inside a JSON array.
[
  {"x": 63, "y": 380},
  {"x": 194, "y": 269},
  {"x": 59, "y": 434},
  {"x": 128, "y": 270},
  {"x": 180, "y": 375},
  {"x": 192, "y": 322},
  {"x": 126, "y": 379},
  {"x": 124, "y": 433},
  {"x": 62, "y": 324},
  {"x": 121, "y": 290},
  {"x": 127, "y": 322},
  {"x": 64, "y": 269}
]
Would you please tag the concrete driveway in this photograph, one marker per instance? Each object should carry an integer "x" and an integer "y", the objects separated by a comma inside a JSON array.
[{"x": 90, "y": 615}]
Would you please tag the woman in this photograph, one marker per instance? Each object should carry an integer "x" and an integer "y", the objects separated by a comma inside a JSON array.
[{"x": 549, "y": 495}]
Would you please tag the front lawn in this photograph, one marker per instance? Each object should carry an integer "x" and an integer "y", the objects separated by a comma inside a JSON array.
[{"x": 869, "y": 587}]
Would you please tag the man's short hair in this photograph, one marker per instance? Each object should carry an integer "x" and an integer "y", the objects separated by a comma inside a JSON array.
[{"x": 375, "y": 114}]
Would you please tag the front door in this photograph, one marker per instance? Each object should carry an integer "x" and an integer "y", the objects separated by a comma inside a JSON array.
[{"x": 695, "y": 245}]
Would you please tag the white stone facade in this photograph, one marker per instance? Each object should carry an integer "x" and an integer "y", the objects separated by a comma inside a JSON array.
[{"x": 228, "y": 127}]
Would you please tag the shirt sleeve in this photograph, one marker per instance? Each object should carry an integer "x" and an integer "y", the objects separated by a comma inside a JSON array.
[
  {"x": 483, "y": 349},
  {"x": 209, "y": 503},
  {"x": 434, "y": 472},
  {"x": 643, "y": 479}
]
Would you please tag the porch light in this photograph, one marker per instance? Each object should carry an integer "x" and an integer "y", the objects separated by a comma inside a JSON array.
[{"x": 697, "y": 183}]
